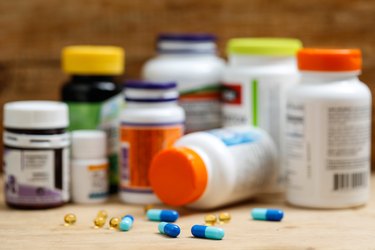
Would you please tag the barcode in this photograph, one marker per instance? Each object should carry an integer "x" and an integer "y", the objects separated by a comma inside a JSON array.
[{"x": 349, "y": 181}]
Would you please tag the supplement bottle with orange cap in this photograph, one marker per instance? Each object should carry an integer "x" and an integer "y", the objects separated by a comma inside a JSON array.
[
  {"x": 93, "y": 95},
  {"x": 213, "y": 168},
  {"x": 328, "y": 131}
]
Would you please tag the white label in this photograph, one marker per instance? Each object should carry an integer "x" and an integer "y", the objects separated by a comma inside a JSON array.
[
  {"x": 328, "y": 150},
  {"x": 36, "y": 176}
]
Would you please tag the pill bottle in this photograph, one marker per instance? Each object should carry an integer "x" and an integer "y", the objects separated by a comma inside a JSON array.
[
  {"x": 259, "y": 72},
  {"x": 36, "y": 154},
  {"x": 191, "y": 61},
  {"x": 328, "y": 131},
  {"x": 93, "y": 95},
  {"x": 214, "y": 168},
  {"x": 151, "y": 121},
  {"x": 89, "y": 166}
]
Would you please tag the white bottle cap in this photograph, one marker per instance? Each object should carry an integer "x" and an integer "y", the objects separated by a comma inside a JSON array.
[
  {"x": 89, "y": 144},
  {"x": 36, "y": 115}
]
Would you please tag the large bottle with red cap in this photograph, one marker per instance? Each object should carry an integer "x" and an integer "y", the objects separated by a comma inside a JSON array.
[{"x": 328, "y": 131}]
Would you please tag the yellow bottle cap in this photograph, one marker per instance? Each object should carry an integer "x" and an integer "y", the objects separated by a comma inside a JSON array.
[{"x": 93, "y": 60}]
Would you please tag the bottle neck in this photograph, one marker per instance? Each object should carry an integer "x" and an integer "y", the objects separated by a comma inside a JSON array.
[
  {"x": 308, "y": 77},
  {"x": 92, "y": 78},
  {"x": 186, "y": 48},
  {"x": 258, "y": 60}
]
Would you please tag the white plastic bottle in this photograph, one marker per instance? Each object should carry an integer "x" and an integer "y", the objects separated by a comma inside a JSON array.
[
  {"x": 214, "y": 168},
  {"x": 328, "y": 131},
  {"x": 191, "y": 61},
  {"x": 151, "y": 122},
  {"x": 259, "y": 72},
  {"x": 89, "y": 167}
]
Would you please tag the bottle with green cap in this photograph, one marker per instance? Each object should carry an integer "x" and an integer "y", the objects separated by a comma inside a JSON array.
[
  {"x": 93, "y": 95},
  {"x": 258, "y": 74}
]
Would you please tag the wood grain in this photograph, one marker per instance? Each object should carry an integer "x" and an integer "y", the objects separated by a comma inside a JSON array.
[
  {"x": 32, "y": 32},
  {"x": 300, "y": 228}
]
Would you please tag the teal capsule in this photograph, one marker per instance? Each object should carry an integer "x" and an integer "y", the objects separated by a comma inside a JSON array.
[
  {"x": 207, "y": 232},
  {"x": 126, "y": 223},
  {"x": 267, "y": 214},
  {"x": 162, "y": 215},
  {"x": 172, "y": 230}
]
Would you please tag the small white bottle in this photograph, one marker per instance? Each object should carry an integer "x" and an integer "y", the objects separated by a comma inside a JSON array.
[
  {"x": 255, "y": 82},
  {"x": 214, "y": 168},
  {"x": 328, "y": 131},
  {"x": 191, "y": 61},
  {"x": 151, "y": 122},
  {"x": 89, "y": 167}
]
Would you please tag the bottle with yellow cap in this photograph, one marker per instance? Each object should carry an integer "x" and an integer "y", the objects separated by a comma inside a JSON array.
[
  {"x": 214, "y": 168},
  {"x": 92, "y": 94},
  {"x": 259, "y": 72},
  {"x": 328, "y": 131}
]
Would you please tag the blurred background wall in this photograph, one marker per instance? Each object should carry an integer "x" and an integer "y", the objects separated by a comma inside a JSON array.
[{"x": 32, "y": 32}]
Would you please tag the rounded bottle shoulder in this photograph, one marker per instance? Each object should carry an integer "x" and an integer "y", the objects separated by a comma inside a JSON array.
[
  {"x": 338, "y": 90},
  {"x": 153, "y": 114},
  {"x": 95, "y": 91},
  {"x": 180, "y": 68}
]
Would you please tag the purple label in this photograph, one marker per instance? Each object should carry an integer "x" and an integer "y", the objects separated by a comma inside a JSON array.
[{"x": 124, "y": 163}]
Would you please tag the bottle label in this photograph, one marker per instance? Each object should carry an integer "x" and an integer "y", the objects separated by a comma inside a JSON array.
[
  {"x": 98, "y": 179},
  {"x": 102, "y": 116},
  {"x": 202, "y": 107},
  {"x": 328, "y": 149},
  {"x": 255, "y": 156},
  {"x": 139, "y": 144},
  {"x": 259, "y": 102},
  {"x": 36, "y": 177}
]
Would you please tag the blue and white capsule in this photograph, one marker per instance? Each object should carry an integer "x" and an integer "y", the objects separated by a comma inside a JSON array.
[
  {"x": 162, "y": 215},
  {"x": 169, "y": 229},
  {"x": 267, "y": 214},
  {"x": 207, "y": 232},
  {"x": 126, "y": 223}
]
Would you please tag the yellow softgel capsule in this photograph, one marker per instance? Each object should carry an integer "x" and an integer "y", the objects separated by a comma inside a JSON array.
[
  {"x": 102, "y": 213},
  {"x": 70, "y": 219},
  {"x": 99, "y": 222},
  {"x": 210, "y": 219},
  {"x": 224, "y": 218},
  {"x": 114, "y": 222}
]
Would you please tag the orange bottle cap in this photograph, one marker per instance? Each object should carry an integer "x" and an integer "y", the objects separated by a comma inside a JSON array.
[
  {"x": 178, "y": 176},
  {"x": 329, "y": 59}
]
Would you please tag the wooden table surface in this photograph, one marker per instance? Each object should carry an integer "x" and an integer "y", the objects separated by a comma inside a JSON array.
[{"x": 300, "y": 229}]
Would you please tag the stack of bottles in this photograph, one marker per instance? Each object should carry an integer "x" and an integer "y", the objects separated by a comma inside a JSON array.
[{"x": 195, "y": 132}]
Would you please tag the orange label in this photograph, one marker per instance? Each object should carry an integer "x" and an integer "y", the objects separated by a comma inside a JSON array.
[
  {"x": 139, "y": 144},
  {"x": 103, "y": 166}
]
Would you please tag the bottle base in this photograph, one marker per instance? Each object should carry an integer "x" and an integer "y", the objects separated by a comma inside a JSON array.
[
  {"x": 326, "y": 204},
  {"x": 33, "y": 206}
]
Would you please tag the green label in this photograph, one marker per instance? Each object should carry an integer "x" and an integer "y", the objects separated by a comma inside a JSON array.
[
  {"x": 84, "y": 115},
  {"x": 254, "y": 89}
]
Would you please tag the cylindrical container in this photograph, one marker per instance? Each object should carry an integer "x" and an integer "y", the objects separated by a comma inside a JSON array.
[
  {"x": 151, "y": 122},
  {"x": 191, "y": 61},
  {"x": 214, "y": 168},
  {"x": 328, "y": 131},
  {"x": 259, "y": 72},
  {"x": 89, "y": 166},
  {"x": 93, "y": 95},
  {"x": 36, "y": 154}
]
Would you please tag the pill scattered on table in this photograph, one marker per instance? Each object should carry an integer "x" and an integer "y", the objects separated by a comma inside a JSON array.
[
  {"x": 70, "y": 219},
  {"x": 267, "y": 214},
  {"x": 207, "y": 232},
  {"x": 224, "y": 217},
  {"x": 169, "y": 229},
  {"x": 162, "y": 215},
  {"x": 210, "y": 220},
  {"x": 102, "y": 213},
  {"x": 114, "y": 222},
  {"x": 99, "y": 222},
  {"x": 126, "y": 222}
]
